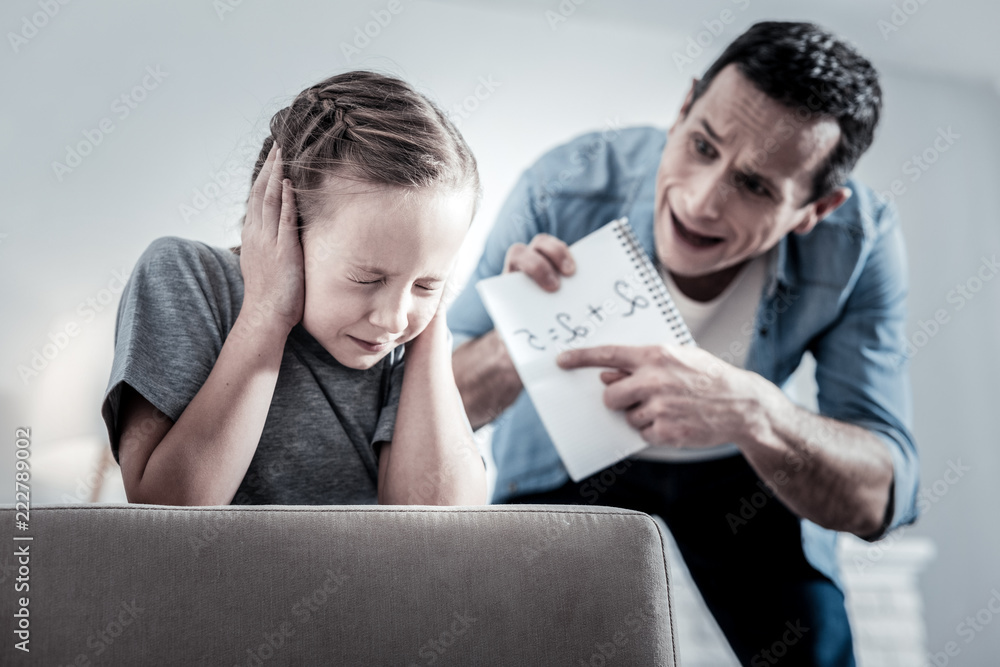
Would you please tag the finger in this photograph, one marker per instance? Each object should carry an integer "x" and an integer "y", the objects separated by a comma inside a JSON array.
[
  {"x": 556, "y": 251},
  {"x": 536, "y": 266},
  {"x": 287, "y": 222},
  {"x": 624, "y": 394},
  {"x": 640, "y": 417},
  {"x": 622, "y": 357},
  {"x": 271, "y": 210},
  {"x": 610, "y": 377},
  {"x": 259, "y": 185}
]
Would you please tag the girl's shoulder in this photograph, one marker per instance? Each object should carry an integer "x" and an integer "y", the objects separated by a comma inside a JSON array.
[
  {"x": 175, "y": 252},
  {"x": 176, "y": 271}
]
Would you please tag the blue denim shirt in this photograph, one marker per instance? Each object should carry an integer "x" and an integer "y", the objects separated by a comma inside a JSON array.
[{"x": 838, "y": 291}]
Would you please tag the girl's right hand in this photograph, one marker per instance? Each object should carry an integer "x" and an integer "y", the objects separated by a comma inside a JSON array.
[{"x": 271, "y": 255}]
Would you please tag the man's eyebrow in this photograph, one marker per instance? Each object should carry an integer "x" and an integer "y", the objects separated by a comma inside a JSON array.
[{"x": 711, "y": 132}]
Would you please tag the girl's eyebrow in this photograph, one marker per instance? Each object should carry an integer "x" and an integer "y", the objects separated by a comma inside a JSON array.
[{"x": 368, "y": 268}]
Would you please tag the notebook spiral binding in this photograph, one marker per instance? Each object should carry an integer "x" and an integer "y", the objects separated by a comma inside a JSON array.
[{"x": 648, "y": 275}]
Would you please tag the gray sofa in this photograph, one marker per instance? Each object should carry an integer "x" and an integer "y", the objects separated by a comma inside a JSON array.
[{"x": 332, "y": 585}]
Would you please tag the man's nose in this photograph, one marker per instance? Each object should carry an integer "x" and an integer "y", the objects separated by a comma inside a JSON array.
[{"x": 706, "y": 194}]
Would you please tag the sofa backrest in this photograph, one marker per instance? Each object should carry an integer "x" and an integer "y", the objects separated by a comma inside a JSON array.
[{"x": 336, "y": 585}]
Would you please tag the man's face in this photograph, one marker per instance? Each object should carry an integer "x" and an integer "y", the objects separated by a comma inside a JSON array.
[
  {"x": 375, "y": 267},
  {"x": 734, "y": 177}
]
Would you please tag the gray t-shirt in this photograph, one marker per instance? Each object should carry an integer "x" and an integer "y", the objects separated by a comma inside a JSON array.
[{"x": 317, "y": 446}]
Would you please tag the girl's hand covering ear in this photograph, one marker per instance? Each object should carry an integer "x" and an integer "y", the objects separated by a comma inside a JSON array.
[{"x": 271, "y": 258}]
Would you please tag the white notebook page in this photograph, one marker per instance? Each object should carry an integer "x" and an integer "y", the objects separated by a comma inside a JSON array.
[{"x": 615, "y": 297}]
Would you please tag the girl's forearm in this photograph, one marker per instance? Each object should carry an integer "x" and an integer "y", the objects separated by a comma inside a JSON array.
[
  {"x": 433, "y": 459},
  {"x": 204, "y": 456}
]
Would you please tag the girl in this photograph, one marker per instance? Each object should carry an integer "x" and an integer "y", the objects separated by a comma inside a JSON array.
[{"x": 272, "y": 373}]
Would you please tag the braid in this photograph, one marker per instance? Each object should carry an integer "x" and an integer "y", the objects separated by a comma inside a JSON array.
[
  {"x": 326, "y": 118},
  {"x": 369, "y": 127}
]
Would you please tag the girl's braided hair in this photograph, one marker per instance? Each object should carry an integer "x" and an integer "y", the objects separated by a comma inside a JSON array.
[{"x": 367, "y": 127}]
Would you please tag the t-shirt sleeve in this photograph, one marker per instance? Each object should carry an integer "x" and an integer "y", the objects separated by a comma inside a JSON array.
[
  {"x": 169, "y": 330},
  {"x": 386, "y": 424}
]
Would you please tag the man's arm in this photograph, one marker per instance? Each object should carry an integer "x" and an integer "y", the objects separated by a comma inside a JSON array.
[
  {"x": 854, "y": 469},
  {"x": 486, "y": 378},
  {"x": 835, "y": 474}
]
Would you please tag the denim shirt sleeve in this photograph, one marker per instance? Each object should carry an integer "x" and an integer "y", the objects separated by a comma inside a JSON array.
[
  {"x": 517, "y": 222},
  {"x": 862, "y": 364}
]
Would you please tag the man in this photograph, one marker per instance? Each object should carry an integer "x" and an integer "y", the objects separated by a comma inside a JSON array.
[{"x": 769, "y": 251}]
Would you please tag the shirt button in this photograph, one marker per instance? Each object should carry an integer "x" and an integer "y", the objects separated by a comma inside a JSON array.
[{"x": 512, "y": 487}]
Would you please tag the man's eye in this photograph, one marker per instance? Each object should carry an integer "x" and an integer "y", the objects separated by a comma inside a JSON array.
[
  {"x": 702, "y": 147},
  {"x": 752, "y": 184}
]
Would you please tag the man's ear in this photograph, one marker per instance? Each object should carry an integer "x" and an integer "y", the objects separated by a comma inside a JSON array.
[
  {"x": 686, "y": 106},
  {"x": 821, "y": 208}
]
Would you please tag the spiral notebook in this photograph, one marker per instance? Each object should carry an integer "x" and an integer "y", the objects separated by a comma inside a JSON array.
[{"x": 615, "y": 297}]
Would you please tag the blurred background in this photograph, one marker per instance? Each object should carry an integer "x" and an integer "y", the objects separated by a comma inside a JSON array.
[{"x": 125, "y": 122}]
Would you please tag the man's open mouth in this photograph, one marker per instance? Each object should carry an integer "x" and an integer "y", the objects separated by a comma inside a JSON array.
[{"x": 693, "y": 238}]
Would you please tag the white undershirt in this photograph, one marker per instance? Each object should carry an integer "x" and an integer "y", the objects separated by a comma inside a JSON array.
[{"x": 722, "y": 326}]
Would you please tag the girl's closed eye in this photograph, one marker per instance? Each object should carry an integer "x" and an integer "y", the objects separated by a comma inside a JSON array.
[{"x": 366, "y": 280}]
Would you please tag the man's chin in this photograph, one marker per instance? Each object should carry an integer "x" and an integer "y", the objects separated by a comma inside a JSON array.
[{"x": 681, "y": 265}]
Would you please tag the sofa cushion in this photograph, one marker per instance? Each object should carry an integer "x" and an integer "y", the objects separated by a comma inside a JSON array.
[{"x": 344, "y": 585}]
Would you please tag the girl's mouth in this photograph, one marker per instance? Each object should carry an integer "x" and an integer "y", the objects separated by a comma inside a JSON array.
[{"x": 370, "y": 347}]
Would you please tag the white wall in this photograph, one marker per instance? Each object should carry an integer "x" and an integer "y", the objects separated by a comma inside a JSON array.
[{"x": 225, "y": 77}]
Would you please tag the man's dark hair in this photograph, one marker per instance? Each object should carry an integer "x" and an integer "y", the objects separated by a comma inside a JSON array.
[{"x": 807, "y": 68}]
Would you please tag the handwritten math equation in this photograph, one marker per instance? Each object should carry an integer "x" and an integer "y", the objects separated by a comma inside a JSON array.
[{"x": 566, "y": 333}]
